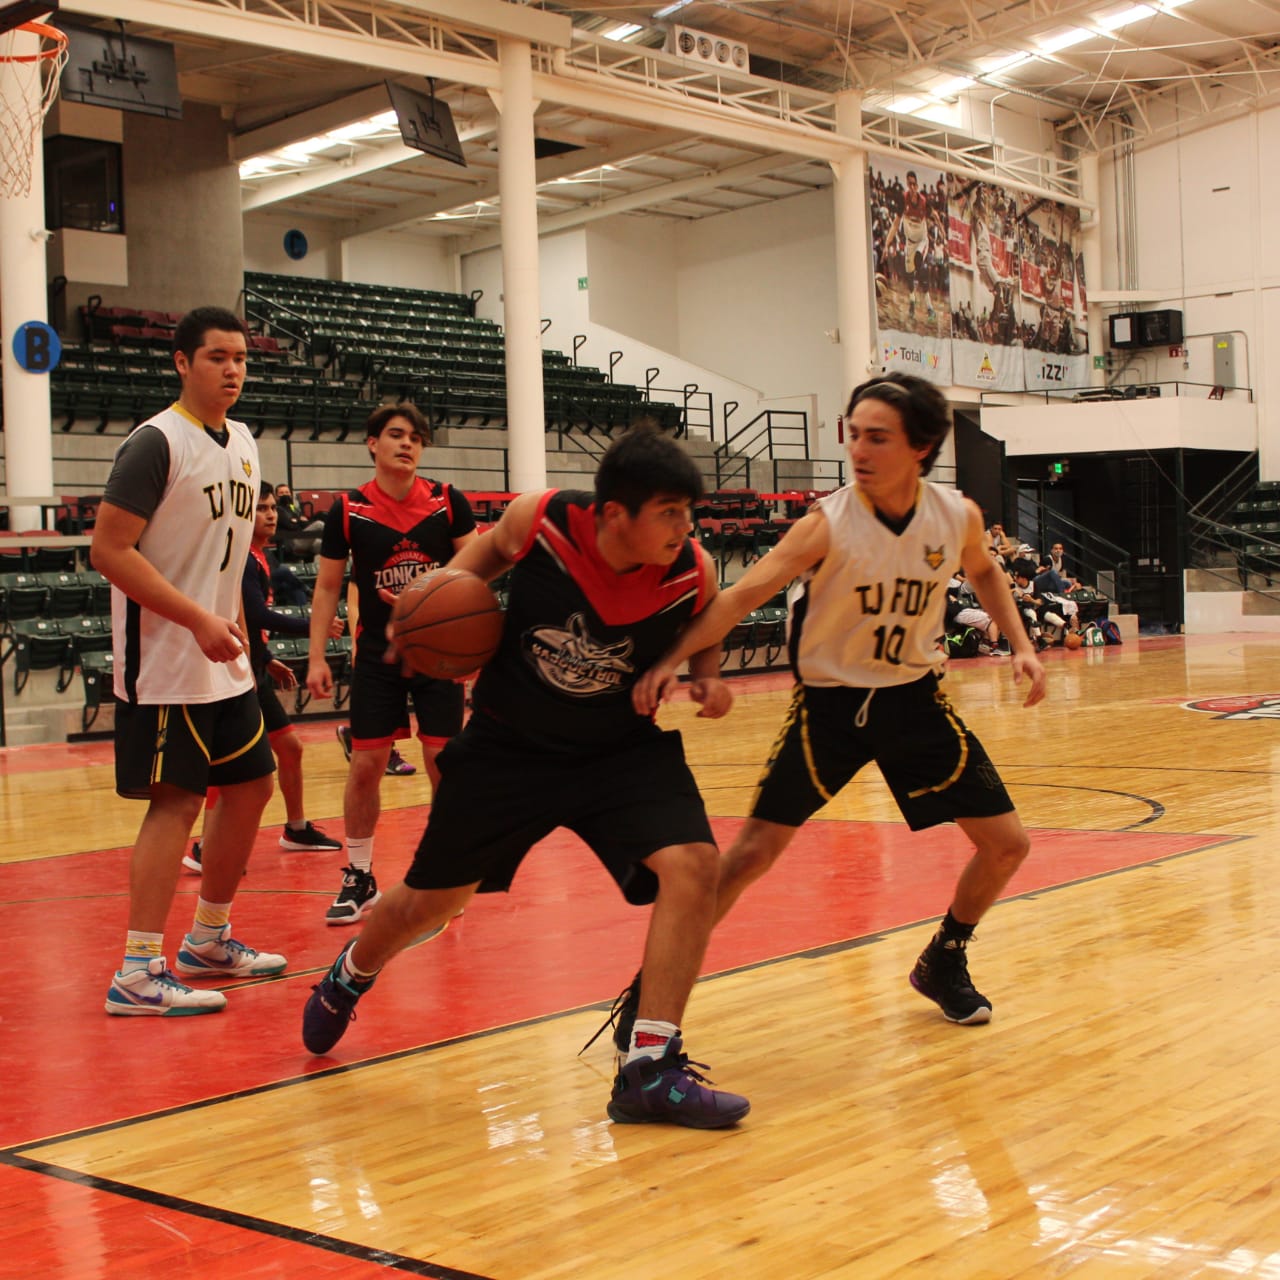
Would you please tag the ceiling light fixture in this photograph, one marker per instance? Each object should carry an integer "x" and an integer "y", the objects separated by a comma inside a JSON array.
[
  {"x": 667, "y": 10},
  {"x": 1114, "y": 21},
  {"x": 1066, "y": 39},
  {"x": 622, "y": 31}
]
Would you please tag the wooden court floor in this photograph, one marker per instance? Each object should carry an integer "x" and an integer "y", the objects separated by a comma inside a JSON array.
[{"x": 1117, "y": 1118}]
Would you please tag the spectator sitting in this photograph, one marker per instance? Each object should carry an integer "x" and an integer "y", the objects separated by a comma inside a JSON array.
[
  {"x": 1056, "y": 563},
  {"x": 962, "y": 610},
  {"x": 1003, "y": 545},
  {"x": 1053, "y": 588},
  {"x": 296, "y": 535},
  {"x": 1035, "y": 611}
]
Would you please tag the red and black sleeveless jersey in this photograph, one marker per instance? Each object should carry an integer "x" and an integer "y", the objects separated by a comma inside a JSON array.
[
  {"x": 578, "y": 634},
  {"x": 391, "y": 542}
]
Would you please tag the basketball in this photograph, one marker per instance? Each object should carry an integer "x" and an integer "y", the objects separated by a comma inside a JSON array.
[
  {"x": 446, "y": 624},
  {"x": 1072, "y": 640}
]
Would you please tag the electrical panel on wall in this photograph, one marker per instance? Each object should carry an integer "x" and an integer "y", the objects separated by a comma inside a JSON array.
[{"x": 702, "y": 46}]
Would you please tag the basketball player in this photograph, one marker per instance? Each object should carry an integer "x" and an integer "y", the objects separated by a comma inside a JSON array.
[
  {"x": 299, "y": 835},
  {"x": 601, "y": 586},
  {"x": 393, "y": 527},
  {"x": 172, "y": 534},
  {"x": 874, "y": 559},
  {"x": 914, "y": 219}
]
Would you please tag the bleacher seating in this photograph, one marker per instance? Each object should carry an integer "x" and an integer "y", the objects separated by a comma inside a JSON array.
[{"x": 429, "y": 347}]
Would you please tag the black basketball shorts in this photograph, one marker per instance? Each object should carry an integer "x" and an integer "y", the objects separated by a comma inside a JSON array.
[
  {"x": 499, "y": 795},
  {"x": 194, "y": 746},
  {"x": 380, "y": 699},
  {"x": 935, "y": 767}
]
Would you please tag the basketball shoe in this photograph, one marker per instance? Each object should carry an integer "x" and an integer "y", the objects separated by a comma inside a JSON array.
[
  {"x": 227, "y": 956},
  {"x": 192, "y": 860},
  {"x": 331, "y": 1006},
  {"x": 398, "y": 766},
  {"x": 942, "y": 974},
  {"x": 355, "y": 899},
  {"x": 343, "y": 733},
  {"x": 307, "y": 839},
  {"x": 155, "y": 991},
  {"x": 670, "y": 1090}
]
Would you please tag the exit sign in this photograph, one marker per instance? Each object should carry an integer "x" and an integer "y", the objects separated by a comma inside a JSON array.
[{"x": 582, "y": 282}]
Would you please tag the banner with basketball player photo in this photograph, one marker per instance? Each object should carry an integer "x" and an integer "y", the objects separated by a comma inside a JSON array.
[
  {"x": 1056, "y": 347},
  {"x": 908, "y": 221},
  {"x": 985, "y": 278}
]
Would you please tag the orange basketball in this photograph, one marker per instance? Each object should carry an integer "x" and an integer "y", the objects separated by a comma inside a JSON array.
[
  {"x": 446, "y": 624},
  {"x": 1072, "y": 640}
]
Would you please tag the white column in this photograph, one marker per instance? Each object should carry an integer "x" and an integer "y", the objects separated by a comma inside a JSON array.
[
  {"x": 855, "y": 294},
  {"x": 526, "y": 420},
  {"x": 28, "y": 444},
  {"x": 1091, "y": 251}
]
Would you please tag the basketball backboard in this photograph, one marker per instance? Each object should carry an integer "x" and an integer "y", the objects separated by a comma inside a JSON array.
[{"x": 17, "y": 12}]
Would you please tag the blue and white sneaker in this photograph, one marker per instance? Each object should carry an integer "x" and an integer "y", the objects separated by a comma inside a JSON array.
[
  {"x": 155, "y": 991},
  {"x": 226, "y": 956}
]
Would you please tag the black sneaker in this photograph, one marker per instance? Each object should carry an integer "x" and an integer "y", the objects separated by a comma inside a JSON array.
[
  {"x": 343, "y": 732},
  {"x": 398, "y": 766},
  {"x": 622, "y": 1018},
  {"x": 331, "y": 1006},
  {"x": 668, "y": 1090},
  {"x": 355, "y": 899},
  {"x": 942, "y": 974},
  {"x": 307, "y": 839},
  {"x": 192, "y": 860}
]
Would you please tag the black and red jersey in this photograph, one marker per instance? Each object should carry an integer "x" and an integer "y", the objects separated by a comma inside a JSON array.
[
  {"x": 578, "y": 634},
  {"x": 391, "y": 542}
]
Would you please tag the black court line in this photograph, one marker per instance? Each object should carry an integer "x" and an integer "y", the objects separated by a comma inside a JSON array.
[{"x": 16, "y": 1157}]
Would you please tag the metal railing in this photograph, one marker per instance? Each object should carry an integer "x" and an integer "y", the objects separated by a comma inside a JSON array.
[{"x": 1093, "y": 558}]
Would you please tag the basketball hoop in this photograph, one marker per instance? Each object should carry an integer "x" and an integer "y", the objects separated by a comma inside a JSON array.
[{"x": 28, "y": 86}]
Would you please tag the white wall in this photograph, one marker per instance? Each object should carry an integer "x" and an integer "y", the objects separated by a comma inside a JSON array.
[
  {"x": 1205, "y": 229},
  {"x": 757, "y": 294}
]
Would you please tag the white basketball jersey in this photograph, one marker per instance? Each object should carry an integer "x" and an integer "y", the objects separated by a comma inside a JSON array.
[
  {"x": 198, "y": 538},
  {"x": 872, "y": 613}
]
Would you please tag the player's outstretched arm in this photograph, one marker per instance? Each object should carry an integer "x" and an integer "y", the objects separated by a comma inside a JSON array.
[
  {"x": 324, "y": 609},
  {"x": 803, "y": 546}
]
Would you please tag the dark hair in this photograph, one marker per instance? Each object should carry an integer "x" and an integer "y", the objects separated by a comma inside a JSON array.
[
  {"x": 1023, "y": 568},
  {"x": 188, "y": 336},
  {"x": 925, "y": 413},
  {"x": 266, "y": 490},
  {"x": 379, "y": 418},
  {"x": 645, "y": 464}
]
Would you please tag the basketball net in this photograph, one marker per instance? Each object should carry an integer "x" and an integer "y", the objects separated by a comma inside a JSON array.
[{"x": 28, "y": 86}]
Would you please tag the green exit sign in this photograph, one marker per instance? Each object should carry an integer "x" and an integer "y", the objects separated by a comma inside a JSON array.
[
  {"x": 1099, "y": 362},
  {"x": 582, "y": 282}
]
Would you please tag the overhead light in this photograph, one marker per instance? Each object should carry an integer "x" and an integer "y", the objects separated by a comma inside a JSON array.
[
  {"x": 1065, "y": 39},
  {"x": 622, "y": 31},
  {"x": 906, "y": 105},
  {"x": 1114, "y": 21},
  {"x": 1173, "y": 4},
  {"x": 949, "y": 88},
  {"x": 1003, "y": 64},
  {"x": 305, "y": 149},
  {"x": 667, "y": 10}
]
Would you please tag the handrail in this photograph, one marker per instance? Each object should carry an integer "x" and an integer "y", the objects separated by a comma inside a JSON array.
[
  {"x": 1228, "y": 491},
  {"x": 1108, "y": 395},
  {"x": 304, "y": 334},
  {"x": 614, "y": 358}
]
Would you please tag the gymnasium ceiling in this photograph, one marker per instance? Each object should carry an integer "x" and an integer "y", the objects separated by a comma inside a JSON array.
[{"x": 643, "y": 132}]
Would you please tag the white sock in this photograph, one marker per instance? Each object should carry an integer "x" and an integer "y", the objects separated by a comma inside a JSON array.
[
  {"x": 649, "y": 1038},
  {"x": 360, "y": 853}
]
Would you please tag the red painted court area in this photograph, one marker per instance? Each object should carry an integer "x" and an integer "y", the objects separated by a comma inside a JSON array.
[{"x": 562, "y": 939}]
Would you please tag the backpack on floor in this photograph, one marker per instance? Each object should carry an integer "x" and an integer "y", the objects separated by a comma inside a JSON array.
[
  {"x": 1110, "y": 632},
  {"x": 962, "y": 642}
]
